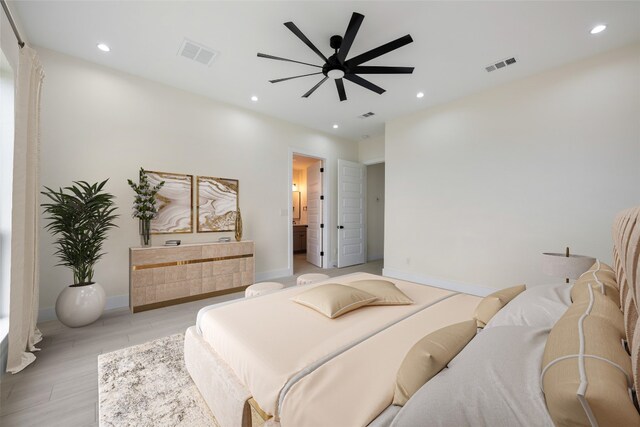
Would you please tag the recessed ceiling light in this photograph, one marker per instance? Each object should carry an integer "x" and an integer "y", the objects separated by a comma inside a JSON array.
[
  {"x": 103, "y": 47},
  {"x": 598, "y": 29},
  {"x": 254, "y": 98},
  {"x": 335, "y": 126},
  {"x": 420, "y": 95}
]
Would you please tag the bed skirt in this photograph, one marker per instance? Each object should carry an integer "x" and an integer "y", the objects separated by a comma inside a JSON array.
[{"x": 225, "y": 395}]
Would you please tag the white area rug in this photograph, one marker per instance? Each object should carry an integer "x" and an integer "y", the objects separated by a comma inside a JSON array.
[{"x": 148, "y": 385}]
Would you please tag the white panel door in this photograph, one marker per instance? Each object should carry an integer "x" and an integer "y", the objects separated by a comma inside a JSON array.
[
  {"x": 351, "y": 213},
  {"x": 314, "y": 214}
]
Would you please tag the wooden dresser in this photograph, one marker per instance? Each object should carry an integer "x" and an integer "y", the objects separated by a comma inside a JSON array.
[{"x": 166, "y": 275}]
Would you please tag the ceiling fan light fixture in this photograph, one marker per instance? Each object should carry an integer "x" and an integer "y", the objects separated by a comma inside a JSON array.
[
  {"x": 337, "y": 67},
  {"x": 598, "y": 29},
  {"x": 420, "y": 95},
  {"x": 103, "y": 47},
  {"x": 254, "y": 98},
  {"x": 335, "y": 126},
  {"x": 335, "y": 74}
]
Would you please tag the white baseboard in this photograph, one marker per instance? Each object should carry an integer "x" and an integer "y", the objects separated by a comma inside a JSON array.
[
  {"x": 466, "y": 288},
  {"x": 119, "y": 301},
  {"x": 116, "y": 301},
  {"x": 273, "y": 274}
]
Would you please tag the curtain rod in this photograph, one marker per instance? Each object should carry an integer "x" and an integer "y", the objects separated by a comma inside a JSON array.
[{"x": 12, "y": 22}]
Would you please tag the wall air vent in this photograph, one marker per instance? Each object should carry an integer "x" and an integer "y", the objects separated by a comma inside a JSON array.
[
  {"x": 197, "y": 52},
  {"x": 366, "y": 115},
  {"x": 500, "y": 64}
]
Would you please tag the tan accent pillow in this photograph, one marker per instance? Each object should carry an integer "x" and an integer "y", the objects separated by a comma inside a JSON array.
[
  {"x": 604, "y": 391},
  {"x": 491, "y": 304},
  {"x": 333, "y": 300},
  {"x": 603, "y": 267},
  {"x": 607, "y": 285},
  {"x": 429, "y": 356},
  {"x": 580, "y": 291},
  {"x": 387, "y": 292},
  {"x": 602, "y": 307},
  {"x": 603, "y": 271}
]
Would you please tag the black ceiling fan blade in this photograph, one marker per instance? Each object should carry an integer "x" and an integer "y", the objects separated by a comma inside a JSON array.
[
  {"x": 364, "y": 83},
  {"x": 363, "y": 69},
  {"x": 295, "y": 30},
  {"x": 306, "y": 95},
  {"x": 350, "y": 35},
  {"x": 341, "y": 91},
  {"x": 264, "y": 55},
  {"x": 294, "y": 77},
  {"x": 379, "y": 51}
]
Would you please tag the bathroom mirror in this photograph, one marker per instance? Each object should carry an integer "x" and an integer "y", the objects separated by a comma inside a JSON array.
[{"x": 296, "y": 204}]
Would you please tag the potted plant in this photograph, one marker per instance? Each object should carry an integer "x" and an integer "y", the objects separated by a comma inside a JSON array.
[
  {"x": 144, "y": 205},
  {"x": 80, "y": 217}
]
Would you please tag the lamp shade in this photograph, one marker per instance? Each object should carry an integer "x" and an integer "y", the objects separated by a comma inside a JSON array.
[{"x": 560, "y": 265}]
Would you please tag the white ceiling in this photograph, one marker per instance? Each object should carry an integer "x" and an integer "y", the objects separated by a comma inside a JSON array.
[{"x": 453, "y": 42}]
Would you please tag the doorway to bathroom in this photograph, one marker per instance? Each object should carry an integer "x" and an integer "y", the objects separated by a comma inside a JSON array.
[{"x": 307, "y": 214}]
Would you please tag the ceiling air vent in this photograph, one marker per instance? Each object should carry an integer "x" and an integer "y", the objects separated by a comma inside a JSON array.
[
  {"x": 500, "y": 64},
  {"x": 366, "y": 115},
  {"x": 197, "y": 52}
]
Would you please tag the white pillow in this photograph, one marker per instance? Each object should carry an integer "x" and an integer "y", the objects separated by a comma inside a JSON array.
[
  {"x": 493, "y": 382},
  {"x": 538, "y": 306}
]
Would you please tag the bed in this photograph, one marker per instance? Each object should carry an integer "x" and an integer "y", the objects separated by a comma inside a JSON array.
[
  {"x": 279, "y": 363},
  {"x": 267, "y": 360}
]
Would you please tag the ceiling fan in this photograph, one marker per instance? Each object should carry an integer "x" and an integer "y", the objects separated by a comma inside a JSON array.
[{"x": 337, "y": 66}]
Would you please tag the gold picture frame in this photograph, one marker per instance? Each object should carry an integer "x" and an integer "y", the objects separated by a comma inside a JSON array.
[
  {"x": 217, "y": 201},
  {"x": 174, "y": 201}
]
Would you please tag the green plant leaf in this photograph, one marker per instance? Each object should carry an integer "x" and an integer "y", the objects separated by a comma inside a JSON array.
[{"x": 80, "y": 217}]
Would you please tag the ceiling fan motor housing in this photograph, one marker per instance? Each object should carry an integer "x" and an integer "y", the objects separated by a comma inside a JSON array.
[
  {"x": 333, "y": 68},
  {"x": 335, "y": 42},
  {"x": 337, "y": 67}
]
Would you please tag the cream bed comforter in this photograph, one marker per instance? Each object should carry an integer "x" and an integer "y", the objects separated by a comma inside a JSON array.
[{"x": 306, "y": 369}]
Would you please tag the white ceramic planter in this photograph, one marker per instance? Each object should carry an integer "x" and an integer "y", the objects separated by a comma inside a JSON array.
[{"x": 80, "y": 305}]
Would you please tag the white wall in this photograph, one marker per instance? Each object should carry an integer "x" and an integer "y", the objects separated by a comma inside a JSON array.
[
  {"x": 478, "y": 188},
  {"x": 375, "y": 211},
  {"x": 371, "y": 150},
  {"x": 98, "y": 123}
]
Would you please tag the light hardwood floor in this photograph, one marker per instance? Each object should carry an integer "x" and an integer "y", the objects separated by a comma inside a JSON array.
[
  {"x": 301, "y": 266},
  {"x": 61, "y": 387}
]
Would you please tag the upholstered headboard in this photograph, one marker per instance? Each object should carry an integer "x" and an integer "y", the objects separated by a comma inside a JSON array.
[{"x": 626, "y": 252}]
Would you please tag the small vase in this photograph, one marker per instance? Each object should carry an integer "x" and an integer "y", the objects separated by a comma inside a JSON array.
[
  {"x": 145, "y": 232},
  {"x": 238, "y": 225}
]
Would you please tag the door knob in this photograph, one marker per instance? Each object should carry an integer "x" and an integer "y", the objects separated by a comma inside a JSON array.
[{"x": 340, "y": 227}]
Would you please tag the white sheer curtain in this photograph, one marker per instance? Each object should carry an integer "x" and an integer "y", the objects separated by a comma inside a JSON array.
[{"x": 23, "y": 311}]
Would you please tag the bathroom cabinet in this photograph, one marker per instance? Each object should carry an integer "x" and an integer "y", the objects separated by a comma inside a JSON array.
[{"x": 299, "y": 238}]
